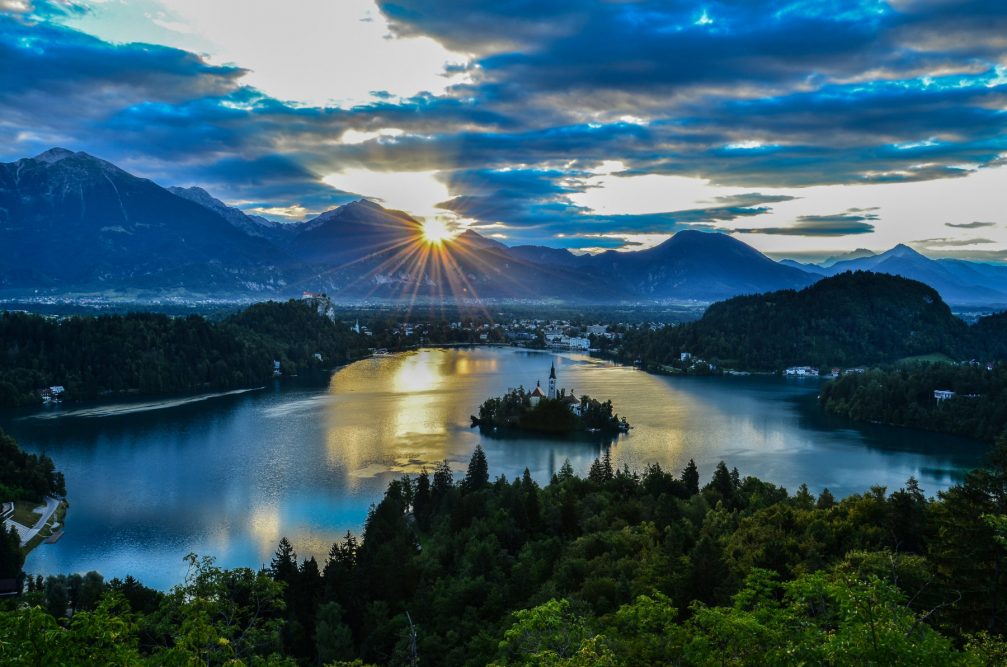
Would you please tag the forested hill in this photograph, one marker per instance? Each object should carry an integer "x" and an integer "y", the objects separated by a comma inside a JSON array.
[
  {"x": 145, "y": 353},
  {"x": 904, "y": 396},
  {"x": 847, "y": 320}
]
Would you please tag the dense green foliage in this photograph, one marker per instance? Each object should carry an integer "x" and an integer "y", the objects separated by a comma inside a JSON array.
[
  {"x": 26, "y": 476},
  {"x": 612, "y": 569},
  {"x": 848, "y": 320},
  {"x": 514, "y": 411},
  {"x": 23, "y": 476},
  {"x": 217, "y": 617},
  {"x": 904, "y": 396},
  {"x": 146, "y": 353},
  {"x": 989, "y": 336}
]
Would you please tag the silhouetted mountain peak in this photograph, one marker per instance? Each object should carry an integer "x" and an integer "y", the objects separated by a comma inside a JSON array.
[
  {"x": 54, "y": 155},
  {"x": 474, "y": 239},
  {"x": 902, "y": 251},
  {"x": 361, "y": 210},
  {"x": 250, "y": 224},
  {"x": 692, "y": 241},
  {"x": 859, "y": 253}
]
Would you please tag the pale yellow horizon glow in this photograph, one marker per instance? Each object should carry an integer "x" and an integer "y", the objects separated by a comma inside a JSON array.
[
  {"x": 415, "y": 192},
  {"x": 906, "y": 212}
]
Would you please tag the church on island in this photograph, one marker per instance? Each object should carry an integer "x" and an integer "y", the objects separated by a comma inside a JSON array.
[
  {"x": 569, "y": 400},
  {"x": 549, "y": 410}
]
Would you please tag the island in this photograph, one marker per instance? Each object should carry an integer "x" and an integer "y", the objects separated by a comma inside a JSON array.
[{"x": 556, "y": 412}]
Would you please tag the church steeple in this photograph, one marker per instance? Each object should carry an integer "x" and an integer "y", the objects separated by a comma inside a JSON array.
[{"x": 552, "y": 381}]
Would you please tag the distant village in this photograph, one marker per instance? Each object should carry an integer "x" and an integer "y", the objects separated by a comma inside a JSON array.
[{"x": 388, "y": 332}]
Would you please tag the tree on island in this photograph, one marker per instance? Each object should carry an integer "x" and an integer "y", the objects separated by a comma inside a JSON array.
[{"x": 519, "y": 410}]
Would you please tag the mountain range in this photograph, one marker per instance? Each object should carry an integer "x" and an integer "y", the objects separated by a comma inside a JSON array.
[
  {"x": 958, "y": 281},
  {"x": 71, "y": 223}
]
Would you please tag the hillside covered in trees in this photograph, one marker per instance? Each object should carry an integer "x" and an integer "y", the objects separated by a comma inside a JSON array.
[
  {"x": 904, "y": 396},
  {"x": 847, "y": 320},
  {"x": 23, "y": 476},
  {"x": 145, "y": 353},
  {"x": 617, "y": 568}
]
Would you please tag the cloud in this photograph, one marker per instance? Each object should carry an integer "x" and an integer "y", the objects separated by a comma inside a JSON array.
[
  {"x": 970, "y": 225},
  {"x": 951, "y": 243},
  {"x": 756, "y": 97},
  {"x": 852, "y": 222}
]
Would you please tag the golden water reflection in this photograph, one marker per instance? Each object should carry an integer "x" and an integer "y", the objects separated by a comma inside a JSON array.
[{"x": 230, "y": 478}]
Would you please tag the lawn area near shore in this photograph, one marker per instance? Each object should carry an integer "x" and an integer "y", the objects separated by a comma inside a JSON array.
[
  {"x": 47, "y": 531},
  {"x": 26, "y": 512}
]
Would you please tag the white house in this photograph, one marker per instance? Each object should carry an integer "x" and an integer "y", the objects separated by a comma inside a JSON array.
[{"x": 537, "y": 395}]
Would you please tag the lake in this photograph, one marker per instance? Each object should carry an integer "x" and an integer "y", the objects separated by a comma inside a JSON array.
[{"x": 228, "y": 475}]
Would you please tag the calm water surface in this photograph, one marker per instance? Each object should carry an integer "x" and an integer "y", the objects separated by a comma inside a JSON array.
[{"x": 229, "y": 475}]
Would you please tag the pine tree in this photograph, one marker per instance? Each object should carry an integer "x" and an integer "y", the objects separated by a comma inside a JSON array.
[
  {"x": 565, "y": 471},
  {"x": 422, "y": 500},
  {"x": 333, "y": 639},
  {"x": 825, "y": 500},
  {"x": 443, "y": 481},
  {"x": 690, "y": 477},
  {"x": 606, "y": 465},
  {"x": 803, "y": 497},
  {"x": 478, "y": 475},
  {"x": 11, "y": 558},
  {"x": 284, "y": 563},
  {"x": 722, "y": 482},
  {"x": 531, "y": 505}
]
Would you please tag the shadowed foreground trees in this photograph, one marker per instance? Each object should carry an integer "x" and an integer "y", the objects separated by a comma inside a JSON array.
[{"x": 618, "y": 568}]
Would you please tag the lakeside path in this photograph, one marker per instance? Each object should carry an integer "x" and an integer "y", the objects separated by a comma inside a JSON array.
[{"x": 28, "y": 534}]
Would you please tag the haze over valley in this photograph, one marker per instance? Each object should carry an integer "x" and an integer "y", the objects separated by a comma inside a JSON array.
[{"x": 75, "y": 224}]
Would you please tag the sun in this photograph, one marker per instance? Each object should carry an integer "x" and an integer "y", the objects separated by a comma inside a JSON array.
[{"x": 436, "y": 232}]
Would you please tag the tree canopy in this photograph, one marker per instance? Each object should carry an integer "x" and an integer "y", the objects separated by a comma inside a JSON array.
[
  {"x": 617, "y": 568},
  {"x": 146, "y": 353}
]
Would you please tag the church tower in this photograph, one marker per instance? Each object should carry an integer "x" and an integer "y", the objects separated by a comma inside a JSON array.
[{"x": 552, "y": 381}]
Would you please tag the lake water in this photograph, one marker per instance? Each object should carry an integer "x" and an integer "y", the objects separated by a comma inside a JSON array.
[{"x": 229, "y": 475}]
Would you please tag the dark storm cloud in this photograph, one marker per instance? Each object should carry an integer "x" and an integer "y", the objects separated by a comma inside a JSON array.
[
  {"x": 55, "y": 77},
  {"x": 751, "y": 46},
  {"x": 951, "y": 243},
  {"x": 537, "y": 203},
  {"x": 975, "y": 224},
  {"x": 853, "y": 221},
  {"x": 265, "y": 182}
]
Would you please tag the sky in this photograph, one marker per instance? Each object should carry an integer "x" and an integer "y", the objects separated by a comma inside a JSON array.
[{"x": 805, "y": 128}]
